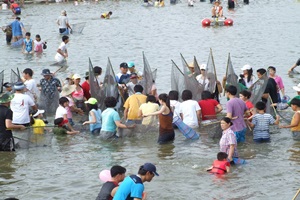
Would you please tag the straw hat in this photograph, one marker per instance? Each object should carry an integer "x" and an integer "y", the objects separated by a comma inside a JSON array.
[
  {"x": 191, "y": 64},
  {"x": 67, "y": 90}
]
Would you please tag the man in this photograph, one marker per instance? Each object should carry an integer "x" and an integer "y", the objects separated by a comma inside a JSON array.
[
  {"x": 132, "y": 105},
  {"x": 110, "y": 188},
  {"x": 86, "y": 86},
  {"x": 20, "y": 105},
  {"x": 63, "y": 23},
  {"x": 294, "y": 66},
  {"x": 62, "y": 52},
  {"x": 8, "y": 87},
  {"x": 235, "y": 111},
  {"x": 31, "y": 88},
  {"x": 271, "y": 88},
  {"x": 133, "y": 82},
  {"x": 97, "y": 72},
  {"x": 50, "y": 88},
  {"x": 123, "y": 77},
  {"x": 17, "y": 28},
  {"x": 132, "y": 69},
  {"x": 132, "y": 187}
]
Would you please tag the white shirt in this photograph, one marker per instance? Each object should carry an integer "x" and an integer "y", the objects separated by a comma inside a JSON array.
[
  {"x": 176, "y": 105},
  {"x": 20, "y": 105},
  {"x": 60, "y": 112},
  {"x": 32, "y": 89},
  {"x": 4, "y": 6},
  {"x": 63, "y": 48},
  {"x": 62, "y": 21},
  {"x": 188, "y": 109},
  {"x": 203, "y": 80}
]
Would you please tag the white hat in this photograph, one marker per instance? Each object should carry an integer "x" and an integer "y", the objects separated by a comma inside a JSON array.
[
  {"x": 203, "y": 66},
  {"x": 246, "y": 67},
  {"x": 297, "y": 88},
  {"x": 38, "y": 112},
  {"x": 63, "y": 12},
  {"x": 76, "y": 76},
  {"x": 67, "y": 89}
]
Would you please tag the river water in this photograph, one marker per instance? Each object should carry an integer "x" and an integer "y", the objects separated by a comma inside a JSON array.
[{"x": 264, "y": 33}]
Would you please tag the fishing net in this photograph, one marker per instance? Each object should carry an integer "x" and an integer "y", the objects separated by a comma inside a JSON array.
[
  {"x": 1, "y": 80},
  {"x": 95, "y": 89},
  {"x": 15, "y": 76},
  {"x": 78, "y": 28},
  {"x": 177, "y": 79},
  {"x": 258, "y": 89},
  {"x": 231, "y": 77},
  {"x": 191, "y": 82},
  {"x": 210, "y": 74},
  {"x": 197, "y": 70},
  {"x": 49, "y": 101},
  {"x": 18, "y": 43},
  {"x": 148, "y": 79},
  {"x": 154, "y": 72}
]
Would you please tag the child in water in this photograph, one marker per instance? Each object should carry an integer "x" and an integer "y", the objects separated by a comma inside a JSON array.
[
  {"x": 217, "y": 10},
  {"x": 39, "y": 45},
  {"x": 106, "y": 15},
  {"x": 8, "y": 32},
  {"x": 221, "y": 165},
  {"x": 28, "y": 44},
  {"x": 37, "y": 122},
  {"x": 94, "y": 116}
]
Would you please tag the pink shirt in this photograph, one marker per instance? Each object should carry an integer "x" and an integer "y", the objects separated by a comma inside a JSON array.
[
  {"x": 71, "y": 103},
  {"x": 78, "y": 95},
  {"x": 279, "y": 82}
]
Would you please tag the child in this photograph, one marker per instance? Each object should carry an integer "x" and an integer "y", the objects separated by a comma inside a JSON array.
[
  {"x": 106, "y": 15},
  {"x": 62, "y": 52},
  {"x": 39, "y": 45},
  {"x": 8, "y": 32},
  {"x": 147, "y": 108},
  {"x": 221, "y": 165},
  {"x": 295, "y": 123},
  {"x": 31, "y": 88},
  {"x": 261, "y": 122},
  {"x": 245, "y": 96},
  {"x": 15, "y": 8},
  {"x": 217, "y": 10},
  {"x": 37, "y": 122},
  {"x": 28, "y": 44},
  {"x": 191, "y": 3},
  {"x": 94, "y": 116},
  {"x": 61, "y": 118},
  {"x": 161, "y": 3}
]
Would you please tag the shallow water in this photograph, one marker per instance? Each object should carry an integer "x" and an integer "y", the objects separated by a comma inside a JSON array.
[{"x": 264, "y": 33}]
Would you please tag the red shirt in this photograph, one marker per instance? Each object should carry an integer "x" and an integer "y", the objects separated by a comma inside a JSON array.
[
  {"x": 14, "y": 5},
  {"x": 249, "y": 105},
  {"x": 86, "y": 90},
  {"x": 208, "y": 108}
]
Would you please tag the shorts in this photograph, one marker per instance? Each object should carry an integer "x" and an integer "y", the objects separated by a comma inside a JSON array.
[
  {"x": 240, "y": 135},
  {"x": 106, "y": 135},
  {"x": 64, "y": 31},
  {"x": 262, "y": 140}
]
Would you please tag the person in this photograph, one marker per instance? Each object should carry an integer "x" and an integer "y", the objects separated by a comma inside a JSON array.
[
  {"x": 8, "y": 87},
  {"x": 6, "y": 137},
  {"x": 8, "y": 32},
  {"x": 133, "y": 186},
  {"x": 37, "y": 122},
  {"x": 261, "y": 122},
  {"x": 295, "y": 123},
  {"x": 4, "y": 5},
  {"x": 245, "y": 96},
  {"x": 97, "y": 73},
  {"x": 165, "y": 116},
  {"x": 247, "y": 78},
  {"x": 50, "y": 88},
  {"x": 109, "y": 189},
  {"x": 17, "y": 28},
  {"x": 209, "y": 106},
  {"x": 190, "y": 111},
  {"x": 94, "y": 116},
  {"x": 31, "y": 87},
  {"x": 20, "y": 105},
  {"x": 106, "y": 15},
  {"x": 271, "y": 88},
  {"x": 161, "y": 3},
  {"x": 39, "y": 45},
  {"x": 175, "y": 104},
  {"x": 278, "y": 80},
  {"x": 149, "y": 107},
  {"x": 86, "y": 86},
  {"x": 294, "y": 66},
  {"x": 123, "y": 77},
  {"x": 63, "y": 23},
  {"x": 61, "y": 119},
  {"x": 132, "y": 105},
  {"x": 62, "y": 52},
  {"x": 15, "y": 8},
  {"x": 28, "y": 44},
  {"x": 235, "y": 111},
  {"x": 228, "y": 141},
  {"x": 221, "y": 165},
  {"x": 191, "y": 3},
  {"x": 201, "y": 78},
  {"x": 217, "y": 10},
  {"x": 78, "y": 94},
  {"x": 297, "y": 89},
  {"x": 133, "y": 82},
  {"x": 111, "y": 120},
  {"x": 231, "y": 4}
]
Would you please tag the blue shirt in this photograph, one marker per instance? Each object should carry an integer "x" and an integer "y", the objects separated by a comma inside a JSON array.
[
  {"x": 262, "y": 123},
  {"x": 132, "y": 187},
  {"x": 28, "y": 45},
  {"x": 109, "y": 116},
  {"x": 98, "y": 120},
  {"x": 16, "y": 27}
]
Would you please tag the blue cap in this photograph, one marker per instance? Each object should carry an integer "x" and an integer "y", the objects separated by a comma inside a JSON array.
[
  {"x": 151, "y": 168},
  {"x": 130, "y": 64}
]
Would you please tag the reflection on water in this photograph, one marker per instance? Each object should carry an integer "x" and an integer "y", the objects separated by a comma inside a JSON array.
[
  {"x": 7, "y": 170},
  {"x": 166, "y": 151}
]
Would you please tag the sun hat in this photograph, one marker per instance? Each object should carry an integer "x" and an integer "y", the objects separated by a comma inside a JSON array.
[
  {"x": 67, "y": 89},
  {"x": 46, "y": 72},
  {"x": 297, "y": 88},
  {"x": 246, "y": 67},
  {"x": 7, "y": 85},
  {"x": 123, "y": 65},
  {"x": 130, "y": 64},
  {"x": 19, "y": 86},
  {"x": 6, "y": 97},
  {"x": 151, "y": 168},
  {"x": 63, "y": 12},
  {"x": 91, "y": 101},
  {"x": 203, "y": 66},
  {"x": 191, "y": 64},
  {"x": 38, "y": 112},
  {"x": 76, "y": 76}
]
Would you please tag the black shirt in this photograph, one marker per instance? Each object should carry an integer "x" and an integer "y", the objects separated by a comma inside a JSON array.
[
  {"x": 5, "y": 113},
  {"x": 271, "y": 89},
  {"x": 105, "y": 191}
]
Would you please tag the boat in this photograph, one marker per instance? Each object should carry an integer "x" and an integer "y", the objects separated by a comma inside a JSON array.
[{"x": 223, "y": 21}]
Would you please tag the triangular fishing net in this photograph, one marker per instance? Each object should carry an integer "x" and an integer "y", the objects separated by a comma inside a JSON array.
[
  {"x": 1, "y": 80},
  {"x": 231, "y": 77},
  {"x": 197, "y": 70},
  {"x": 154, "y": 72},
  {"x": 148, "y": 79},
  {"x": 258, "y": 89},
  {"x": 78, "y": 28},
  {"x": 191, "y": 82},
  {"x": 95, "y": 89},
  {"x": 211, "y": 75},
  {"x": 15, "y": 76},
  {"x": 48, "y": 101},
  {"x": 177, "y": 79}
]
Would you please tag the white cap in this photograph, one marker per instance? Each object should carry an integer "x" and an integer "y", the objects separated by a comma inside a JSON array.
[
  {"x": 297, "y": 88},
  {"x": 38, "y": 112},
  {"x": 203, "y": 66},
  {"x": 76, "y": 76},
  {"x": 246, "y": 67}
]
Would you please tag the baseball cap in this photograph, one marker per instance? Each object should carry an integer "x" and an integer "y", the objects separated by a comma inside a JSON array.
[
  {"x": 76, "y": 76},
  {"x": 38, "y": 112},
  {"x": 123, "y": 65},
  {"x": 130, "y": 64},
  {"x": 91, "y": 101},
  {"x": 203, "y": 66},
  {"x": 151, "y": 168},
  {"x": 246, "y": 67}
]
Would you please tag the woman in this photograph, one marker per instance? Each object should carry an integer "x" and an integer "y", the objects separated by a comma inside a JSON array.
[
  {"x": 228, "y": 143},
  {"x": 245, "y": 96},
  {"x": 209, "y": 106},
  {"x": 165, "y": 116},
  {"x": 78, "y": 94},
  {"x": 278, "y": 80},
  {"x": 247, "y": 77}
]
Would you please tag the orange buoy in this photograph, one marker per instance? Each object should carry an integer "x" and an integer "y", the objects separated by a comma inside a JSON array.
[
  {"x": 205, "y": 22},
  {"x": 228, "y": 22}
]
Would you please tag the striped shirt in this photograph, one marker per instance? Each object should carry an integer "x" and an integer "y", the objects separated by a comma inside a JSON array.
[
  {"x": 228, "y": 138},
  {"x": 262, "y": 123}
]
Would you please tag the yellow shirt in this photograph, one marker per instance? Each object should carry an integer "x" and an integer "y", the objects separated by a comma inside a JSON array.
[
  {"x": 133, "y": 104},
  {"x": 40, "y": 124},
  {"x": 146, "y": 109},
  {"x": 297, "y": 128}
]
